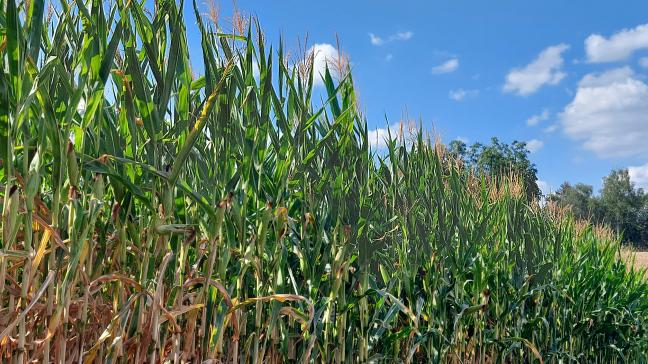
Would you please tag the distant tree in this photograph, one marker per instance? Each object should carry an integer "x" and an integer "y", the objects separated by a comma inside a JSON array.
[
  {"x": 578, "y": 198},
  {"x": 619, "y": 205},
  {"x": 500, "y": 159},
  {"x": 623, "y": 205},
  {"x": 642, "y": 225}
]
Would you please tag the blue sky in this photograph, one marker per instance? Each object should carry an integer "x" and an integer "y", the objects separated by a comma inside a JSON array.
[{"x": 569, "y": 77}]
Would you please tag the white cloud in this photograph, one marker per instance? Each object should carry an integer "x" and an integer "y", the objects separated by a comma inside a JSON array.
[
  {"x": 324, "y": 54},
  {"x": 536, "y": 119},
  {"x": 545, "y": 187},
  {"x": 396, "y": 37},
  {"x": 546, "y": 69},
  {"x": 402, "y": 36},
  {"x": 461, "y": 94},
  {"x": 606, "y": 78},
  {"x": 618, "y": 47},
  {"x": 534, "y": 145},
  {"x": 639, "y": 175},
  {"x": 643, "y": 62},
  {"x": 609, "y": 114},
  {"x": 448, "y": 66},
  {"x": 375, "y": 40},
  {"x": 377, "y": 137},
  {"x": 550, "y": 129}
]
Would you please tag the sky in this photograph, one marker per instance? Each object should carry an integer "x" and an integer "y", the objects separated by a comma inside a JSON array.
[{"x": 567, "y": 77}]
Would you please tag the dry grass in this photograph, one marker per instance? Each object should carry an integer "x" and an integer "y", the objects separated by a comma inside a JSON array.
[{"x": 641, "y": 259}]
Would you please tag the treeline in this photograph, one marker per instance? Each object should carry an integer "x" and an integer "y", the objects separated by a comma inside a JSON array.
[{"x": 620, "y": 204}]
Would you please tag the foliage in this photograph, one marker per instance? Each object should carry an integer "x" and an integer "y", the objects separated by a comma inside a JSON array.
[
  {"x": 500, "y": 159},
  {"x": 579, "y": 198},
  {"x": 620, "y": 205},
  {"x": 151, "y": 215}
]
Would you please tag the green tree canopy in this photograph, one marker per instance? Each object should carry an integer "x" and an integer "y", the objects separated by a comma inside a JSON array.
[
  {"x": 620, "y": 205},
  {"x": 500, "y": 159},
  {"x": 578, "y": 197}
]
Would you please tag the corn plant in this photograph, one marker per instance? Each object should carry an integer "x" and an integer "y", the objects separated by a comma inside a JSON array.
[{"x": 153, "y": 215}]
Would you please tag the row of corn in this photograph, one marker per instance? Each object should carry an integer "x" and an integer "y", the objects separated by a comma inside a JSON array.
[{"x": 150, "y": 214}]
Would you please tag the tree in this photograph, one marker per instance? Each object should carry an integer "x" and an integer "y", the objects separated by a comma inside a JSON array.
[
  {"x": 578, "y": 198},
  {"x": 642, "y": 224},
  {"x": 619, "y": 205},
  {"x": 499, "y": 159},
  {"x": 622, "y": 205}
]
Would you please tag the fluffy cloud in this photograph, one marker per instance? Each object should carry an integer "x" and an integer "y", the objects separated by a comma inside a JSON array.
[
  {"x": 536, "y": 119},
  {"x": 534, "y": 145},
  {"x": 639, "y": 175},
  {"x": 545, "y": 187},
  {"x": 643, "y": 62},
  {"x": 396, "y": 37},
  {"x": 375, "y": 40},
  {"x": 461, "y": 94},
  {"x": 448, "y": 66},
  {"x": 551, "y": 128},
  {"x": 378, "y": 137},
  {"x": 546, "y": 69},
  {"x": 324, "y": 54},
  {"x": 402, "y": 36},
  {"x": 609, "y": 114},
  {"x": 618, "y": 47}
]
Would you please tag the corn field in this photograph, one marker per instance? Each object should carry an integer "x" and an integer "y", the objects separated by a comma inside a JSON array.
[{"x": 241, "y": 216}]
